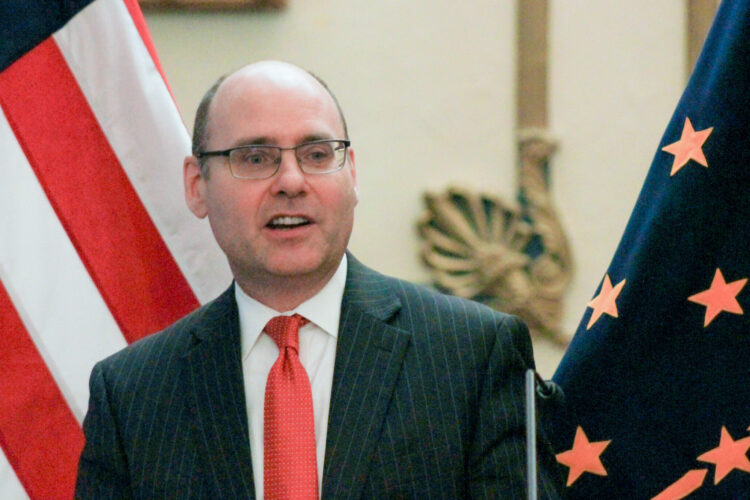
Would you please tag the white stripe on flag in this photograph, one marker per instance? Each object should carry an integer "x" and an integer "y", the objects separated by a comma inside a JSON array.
[
  {"x": 53, "y": 293},
  {"x": 123, "y": 86},
  {"x": 10, "y": 486}
]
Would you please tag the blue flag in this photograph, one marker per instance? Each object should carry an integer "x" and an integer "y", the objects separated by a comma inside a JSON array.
[
  {"x": 657, "y": 377},
  {"x": 25, "y": 23}
]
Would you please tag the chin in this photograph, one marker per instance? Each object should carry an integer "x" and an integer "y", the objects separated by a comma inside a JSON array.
[{"x": 293, "y": 265}]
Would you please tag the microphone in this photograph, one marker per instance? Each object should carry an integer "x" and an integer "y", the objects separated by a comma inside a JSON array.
[{"x": 548, "y": 390}]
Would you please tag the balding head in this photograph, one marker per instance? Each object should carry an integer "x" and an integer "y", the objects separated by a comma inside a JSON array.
[{"x": 257, "y": 77}]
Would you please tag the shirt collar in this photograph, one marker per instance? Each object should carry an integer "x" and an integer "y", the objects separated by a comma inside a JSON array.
[{"x": 323, "y": 309}]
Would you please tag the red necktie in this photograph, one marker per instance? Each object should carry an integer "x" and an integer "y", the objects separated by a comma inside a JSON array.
[{"x": 289, "y": 459}]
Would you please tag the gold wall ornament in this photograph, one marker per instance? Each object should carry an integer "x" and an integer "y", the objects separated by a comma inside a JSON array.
[{"x": 511, "y": 256}]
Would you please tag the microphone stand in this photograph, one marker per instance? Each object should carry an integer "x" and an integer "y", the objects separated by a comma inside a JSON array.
[{"x": 531, "y": 434}]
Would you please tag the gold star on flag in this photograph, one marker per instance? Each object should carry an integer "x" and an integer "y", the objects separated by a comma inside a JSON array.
[
  {"x": 729, "y": 455},
  {"x": 689, "y": 147},
  {"x": 721, "y": 296},
  {"x": 605, "y": 302},
  {"x": 583, "y": 457}
]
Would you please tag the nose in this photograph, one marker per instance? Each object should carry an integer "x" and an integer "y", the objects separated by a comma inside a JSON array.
[{"x": 289, "y": 179}]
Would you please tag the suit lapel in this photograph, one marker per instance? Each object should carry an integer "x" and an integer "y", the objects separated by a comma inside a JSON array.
[
  {"x": 216, "y": 396},
  {"x": 369, "y": 355}
]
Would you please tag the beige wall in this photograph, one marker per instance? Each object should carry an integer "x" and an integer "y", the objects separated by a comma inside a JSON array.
[{"x": 428, "y": 89}]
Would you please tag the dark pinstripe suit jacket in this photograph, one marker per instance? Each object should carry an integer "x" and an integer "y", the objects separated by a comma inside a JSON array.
[{"x": 427, "y": 402}]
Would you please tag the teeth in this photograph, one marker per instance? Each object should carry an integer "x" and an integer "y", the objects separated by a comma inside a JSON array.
[{"x": 288, "y": 221}]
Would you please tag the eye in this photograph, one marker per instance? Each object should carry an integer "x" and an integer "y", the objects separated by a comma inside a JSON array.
[
  {"x": 316, "y": 153},
  {"x": 256, "y": 156}
]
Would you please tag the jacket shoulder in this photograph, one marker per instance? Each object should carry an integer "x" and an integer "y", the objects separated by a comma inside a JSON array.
[
  {"x": 427, "y": 311},
  {"x": 435, "y": 303},
  {"x": 174, "y": 340}
]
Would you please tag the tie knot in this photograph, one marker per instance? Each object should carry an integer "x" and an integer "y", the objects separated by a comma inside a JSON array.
[{"x": 284, "y": 330}]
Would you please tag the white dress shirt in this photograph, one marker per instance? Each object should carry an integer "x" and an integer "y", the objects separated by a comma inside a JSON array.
[{"x": 317, "y": 345}]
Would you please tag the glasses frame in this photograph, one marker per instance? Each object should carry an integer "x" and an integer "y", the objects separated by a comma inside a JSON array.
[{"x": 227, "y": 152}]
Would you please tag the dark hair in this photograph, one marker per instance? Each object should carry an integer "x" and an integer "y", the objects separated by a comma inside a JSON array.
[
  {"x": 200, "y": 126},
  {"x": 200, "y": 132},
  {"x": 335, "y": 101}
]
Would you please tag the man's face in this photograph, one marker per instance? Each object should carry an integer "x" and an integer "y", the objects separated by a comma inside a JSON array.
[{"x": 291, "y": 225}]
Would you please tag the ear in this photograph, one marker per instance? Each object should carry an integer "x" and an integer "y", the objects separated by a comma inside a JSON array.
[
  {"x": 353, "y": 169},
  {"x": 195, "y": 187}
]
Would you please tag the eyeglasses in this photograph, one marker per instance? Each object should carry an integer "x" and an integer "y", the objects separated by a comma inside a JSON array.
[{"x": 262, "y": 161}]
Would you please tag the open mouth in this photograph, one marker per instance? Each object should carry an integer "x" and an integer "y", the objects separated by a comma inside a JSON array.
[{"x": 287, "y": 222}]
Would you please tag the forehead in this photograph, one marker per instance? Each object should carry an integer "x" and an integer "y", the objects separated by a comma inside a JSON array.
[{"x": 273, "y": 104}]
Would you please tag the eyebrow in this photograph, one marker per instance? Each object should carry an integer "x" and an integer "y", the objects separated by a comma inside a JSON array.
[
  {"x": 255, "y": 141},
  {"x": 265, "y": 141}
]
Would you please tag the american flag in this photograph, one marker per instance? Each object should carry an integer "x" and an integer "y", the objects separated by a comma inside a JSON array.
[
  {"x": 97, "y": 248},
  {"x": 657, "y": 376}
]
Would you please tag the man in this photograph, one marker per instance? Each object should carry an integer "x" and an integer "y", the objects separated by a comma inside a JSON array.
[{"x": 414, "y": 394}]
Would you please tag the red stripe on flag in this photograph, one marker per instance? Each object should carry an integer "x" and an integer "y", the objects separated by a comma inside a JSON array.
[
  {"x": 38, "y": 432},
  {"x": 105, "y": 220}
]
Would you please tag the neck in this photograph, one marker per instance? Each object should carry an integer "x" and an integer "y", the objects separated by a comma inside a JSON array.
[{"x": 282, "y": 293}]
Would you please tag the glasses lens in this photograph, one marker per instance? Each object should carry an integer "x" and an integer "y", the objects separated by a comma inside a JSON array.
[
  {"x": 254, "y": 162},
  {"x": 321, "y": 157}
]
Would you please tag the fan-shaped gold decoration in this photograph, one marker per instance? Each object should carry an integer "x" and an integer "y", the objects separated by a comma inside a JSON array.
[{"x": 514, "y": 257}]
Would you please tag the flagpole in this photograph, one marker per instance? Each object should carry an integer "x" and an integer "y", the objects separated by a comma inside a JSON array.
[{"x": 531, "y": 434}]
